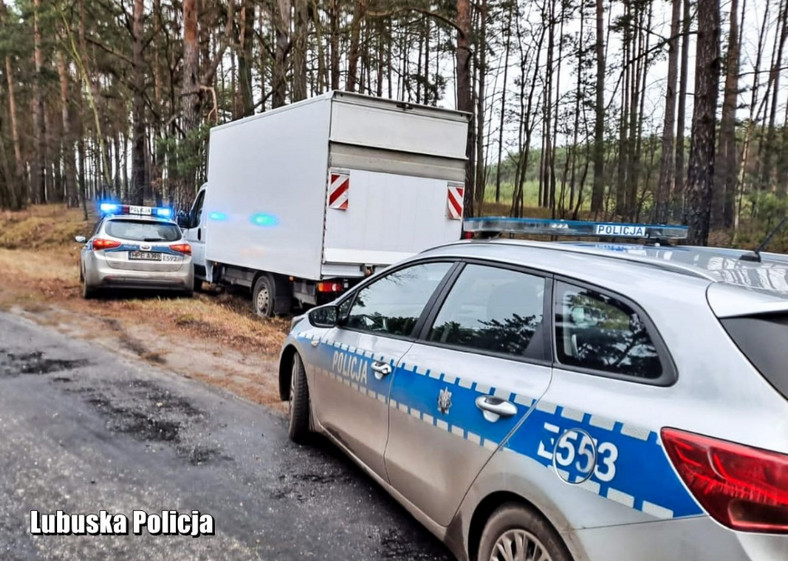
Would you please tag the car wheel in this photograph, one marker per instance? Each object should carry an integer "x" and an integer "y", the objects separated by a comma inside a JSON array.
[
  {"x": 87, "y": 292},
  {"x": 298, "y": 404},
  {"x": 263, "y": 296},
  {"x": 515, "y": 533}
]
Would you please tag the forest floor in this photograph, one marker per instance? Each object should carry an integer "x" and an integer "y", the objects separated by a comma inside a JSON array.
[{"x": 213, "y": 337}]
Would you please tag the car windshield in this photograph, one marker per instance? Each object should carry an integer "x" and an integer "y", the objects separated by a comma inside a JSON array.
[{"x": 143, "y": 231}]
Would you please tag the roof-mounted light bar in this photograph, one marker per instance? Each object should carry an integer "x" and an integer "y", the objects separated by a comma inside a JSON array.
[
  {"x": 156, "y": 211},
  {"x": 550, "y": 227}
]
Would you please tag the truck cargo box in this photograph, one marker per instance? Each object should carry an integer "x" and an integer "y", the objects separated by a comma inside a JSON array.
[{"x": 326, "y": 187}]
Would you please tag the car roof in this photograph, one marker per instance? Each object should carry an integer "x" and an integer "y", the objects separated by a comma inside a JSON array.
[
  {"x": 609, "y": 263},
  {"x": 140, "y": 218}
]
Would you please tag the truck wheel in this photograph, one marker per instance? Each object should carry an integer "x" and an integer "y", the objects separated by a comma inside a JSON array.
[
  {"x": 514, "y": 532},
  {"x": 263, "y": 296},
  {"x": 298, "y": 427}
]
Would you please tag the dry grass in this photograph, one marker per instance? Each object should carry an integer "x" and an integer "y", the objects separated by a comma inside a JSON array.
[{"x": 43, "y": 227}]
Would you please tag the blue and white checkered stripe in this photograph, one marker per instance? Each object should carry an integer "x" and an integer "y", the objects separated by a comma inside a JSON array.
[{"x": 644, "y": 479}]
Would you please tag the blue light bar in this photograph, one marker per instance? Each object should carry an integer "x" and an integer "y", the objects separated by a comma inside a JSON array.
[
  {"x": 550, "y": 227},
  {"x": 157, "y": 211}
]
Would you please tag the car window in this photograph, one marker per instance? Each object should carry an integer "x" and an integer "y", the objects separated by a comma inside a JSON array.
[
  {"x": 197, "y": 209},
  {"x": 143, "y": 231},
  {"x": 600, "y": 332},
  {"x": 392, "y": 305},
  {"x": 493, "y": 309},
  {"x": 761, "y": 339}
]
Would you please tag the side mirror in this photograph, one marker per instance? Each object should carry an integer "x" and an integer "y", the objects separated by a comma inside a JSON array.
[
  {"x": 183, "y": 219},
  {"x": 80, "y": 239},
  {"x": 325, "y": 316}
]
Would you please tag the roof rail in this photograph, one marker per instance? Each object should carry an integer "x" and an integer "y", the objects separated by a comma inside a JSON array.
[{"x": 553, "y": 227}]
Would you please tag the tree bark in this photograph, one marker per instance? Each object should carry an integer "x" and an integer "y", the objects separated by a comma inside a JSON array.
[
  {"x": 67, "y": 141},
  {"x": 245, "y": 58},
  {"x": 598, "y": 191},
  {"x": 726, "y": 167},
  {"x": 666, "y": 167},
  {"x": 464, "y": 97},
  {"x": 191, "y": 61},
  {"x": 39, "y": 125},
  {"x": 359, "y": 10},
  {"x": 139, "y": 182},
  {"x": 282, "y": 20},
  {"x": 700, "y": 173},
  {"x": 300, "y": 50},
  {"x": 681, "y": 119}
]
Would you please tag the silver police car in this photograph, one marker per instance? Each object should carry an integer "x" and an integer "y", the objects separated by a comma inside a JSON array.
[
  {"x": 551, "y": 402},
  {"x": 135, "y": 247}
]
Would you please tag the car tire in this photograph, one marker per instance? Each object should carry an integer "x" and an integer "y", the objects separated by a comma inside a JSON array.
[
  {"x": 298, "y": 404},
  {"x": 515, "y": 532},
  {"x": 87, "y": 292},
  {"x": 264, "y": 296}
]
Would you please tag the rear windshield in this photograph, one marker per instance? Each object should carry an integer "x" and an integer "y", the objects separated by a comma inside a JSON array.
[
  {"x": 143, "y": 231},
  {"x": 762, "y": 339}
]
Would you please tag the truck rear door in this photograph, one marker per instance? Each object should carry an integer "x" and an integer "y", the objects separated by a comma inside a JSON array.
[
  {"x": 395, "y": 181},
  {"x": 386, "y": 217}
]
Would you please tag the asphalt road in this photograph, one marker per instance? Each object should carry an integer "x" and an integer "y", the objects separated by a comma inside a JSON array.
[{"x": 84, "y": 430}]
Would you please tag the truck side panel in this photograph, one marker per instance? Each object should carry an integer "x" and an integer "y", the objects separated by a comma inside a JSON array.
[{"x": 265, "y": 200}]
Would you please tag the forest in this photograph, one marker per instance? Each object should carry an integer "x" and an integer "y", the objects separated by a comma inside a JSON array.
[{"x": 634, "y": 110}]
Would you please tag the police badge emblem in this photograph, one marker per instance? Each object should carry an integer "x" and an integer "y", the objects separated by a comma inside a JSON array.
[{"x": 444, "y": 400}]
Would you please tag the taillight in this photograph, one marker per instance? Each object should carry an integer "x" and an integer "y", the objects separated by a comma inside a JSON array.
[
  {"x": 329, "y": 287},
  {"x": 741, "y": 487},
  {"x": 101, "y": 243},
  {"x": 184, "y": 248}
]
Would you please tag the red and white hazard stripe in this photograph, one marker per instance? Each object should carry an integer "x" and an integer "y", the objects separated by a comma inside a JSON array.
[
  {"x": 338, "y": 189},
  {"x": 455, "y": 200}
]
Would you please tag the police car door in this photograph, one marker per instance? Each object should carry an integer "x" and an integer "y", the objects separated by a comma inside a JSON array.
[
  {"x": 477, "y": 369},
  {"x": 357, "y": 359}
]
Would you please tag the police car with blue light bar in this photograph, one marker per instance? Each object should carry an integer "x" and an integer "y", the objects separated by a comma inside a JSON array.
[
  {"x": 563, "y": 401},
  {"x": 135, "y": 247}
]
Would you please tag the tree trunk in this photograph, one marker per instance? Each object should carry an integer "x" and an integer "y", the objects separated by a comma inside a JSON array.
[
  {"x": 39, "y": 125},
  {"x": 282, "y": 19},
  {"x": 726, "y": 169},
  {"x": 18, "y": 184},
  {"x": 700, "y": 173},
  {"x": 359, "y": 10},
  {"x": 245, "y": 58},
  {"x": 481, "y": 49},
  {"x": 464, "y": 97},
  {"x": 666, "y": 169},
  {"x": 67, "y": 140},
  {"x": 333, "y": 17},
  {"x": 191, "y": 61},
  {"x": 681, "y": 119},
  {"x": 139, "y": 183},
  {"x": 300, "y": 50},
  {"x": 598, "y": 191}
]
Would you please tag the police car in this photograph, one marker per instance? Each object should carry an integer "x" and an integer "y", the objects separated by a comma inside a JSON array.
[
  {"x": 135, "y": 247},
  {"x": 546, "y": 401}
]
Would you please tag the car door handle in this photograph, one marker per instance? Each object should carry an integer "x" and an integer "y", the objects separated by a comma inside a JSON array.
[
  {"x": 380, "y": 369},
  {"x": 493, "y": 408}
]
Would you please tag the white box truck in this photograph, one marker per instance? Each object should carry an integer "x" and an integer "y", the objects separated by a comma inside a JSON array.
[{"x": 305, "y": 200}]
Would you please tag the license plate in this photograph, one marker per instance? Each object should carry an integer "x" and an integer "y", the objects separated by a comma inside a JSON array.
[{"x": 144, "y": 256}]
